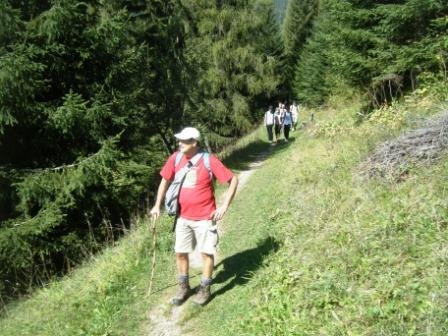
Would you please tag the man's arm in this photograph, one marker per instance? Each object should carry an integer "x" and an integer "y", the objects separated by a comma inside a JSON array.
[
  {"x": 218, "y": 214},
  {"x": 161, "y": 191}
]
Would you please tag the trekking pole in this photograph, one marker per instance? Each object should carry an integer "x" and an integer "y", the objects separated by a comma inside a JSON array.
[{"x": 153, "y": 224}]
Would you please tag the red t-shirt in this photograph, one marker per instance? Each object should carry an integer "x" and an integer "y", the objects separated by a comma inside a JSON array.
[{"x": 196, "y": 198}]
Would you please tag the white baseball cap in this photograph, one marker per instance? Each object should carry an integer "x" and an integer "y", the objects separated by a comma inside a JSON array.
[{"x": 188, "y": 133}]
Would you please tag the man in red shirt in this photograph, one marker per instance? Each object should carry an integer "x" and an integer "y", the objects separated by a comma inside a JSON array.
[{"x": 196, "y": 224}]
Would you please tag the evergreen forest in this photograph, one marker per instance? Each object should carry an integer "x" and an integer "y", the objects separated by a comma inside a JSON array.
[{"x": 92, "y": 92}]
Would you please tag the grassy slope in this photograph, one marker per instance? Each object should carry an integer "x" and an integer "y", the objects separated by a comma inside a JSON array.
[
  {"x": 106, "y": 296},
  {"x": 355, "y": 257},
  {"x": 309, "y": 249}
]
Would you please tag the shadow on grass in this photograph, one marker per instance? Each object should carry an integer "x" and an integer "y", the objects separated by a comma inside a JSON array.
[
  {"x": 241, "y": 266},
  {"x": 242, "y": 158}
]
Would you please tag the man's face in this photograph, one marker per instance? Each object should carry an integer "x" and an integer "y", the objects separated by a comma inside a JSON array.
[{"x": 187, "y": 146}]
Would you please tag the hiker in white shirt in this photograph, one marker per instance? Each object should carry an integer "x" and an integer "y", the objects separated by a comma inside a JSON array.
[
  {"x": 269, "y": 122},
  {"x": 294, "y": 109}
]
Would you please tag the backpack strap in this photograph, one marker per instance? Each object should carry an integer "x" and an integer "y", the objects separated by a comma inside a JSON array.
[
  {"x": 205, "y": 155},
  {"x": 195, "y": 159},
  {"x": 207, "y": 164},
  {"x": 178, "y": 158}
]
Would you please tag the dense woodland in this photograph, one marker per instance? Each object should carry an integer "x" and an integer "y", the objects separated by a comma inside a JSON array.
[
  {"x": 380, "y": 48},
  {"x": 92, "y": 92}
]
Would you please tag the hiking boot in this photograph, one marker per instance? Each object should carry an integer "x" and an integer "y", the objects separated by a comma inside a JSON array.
[
  {"x": 182, "y": 294},
  {"x": 202, "y": 296}
]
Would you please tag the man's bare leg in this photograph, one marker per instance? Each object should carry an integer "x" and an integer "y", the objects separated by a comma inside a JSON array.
[
  {"x": 182, "y": 263},
  {"x": 209, "y": 264}
]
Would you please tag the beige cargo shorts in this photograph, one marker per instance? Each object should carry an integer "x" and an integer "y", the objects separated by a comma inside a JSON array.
[{"x": 192, "y": 233}]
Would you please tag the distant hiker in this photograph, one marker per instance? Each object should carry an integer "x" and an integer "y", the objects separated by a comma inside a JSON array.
[
  {"x": 196, "y": 224},
  {"x": 294, "y": 109},
  {"x": 282, "y": 112},
  {"x": 269, "y": 122},
  {"x": 287, "y": 123},
  {"x": 277, "y": 123}
]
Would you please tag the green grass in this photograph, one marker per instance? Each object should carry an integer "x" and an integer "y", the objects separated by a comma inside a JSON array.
[
  {"x": 351, "y": 257},
  {"x": 309, "y": 248},
  {"x": 106, "y": 296}
]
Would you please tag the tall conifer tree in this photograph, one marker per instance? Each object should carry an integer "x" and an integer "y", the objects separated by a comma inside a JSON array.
[
  {"x": 85, "y": 89},
  {"x": 296, "y": 28},
  {"x": 237, "y": 50}
]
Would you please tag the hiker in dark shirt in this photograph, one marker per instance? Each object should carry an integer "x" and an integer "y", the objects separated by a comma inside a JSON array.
[
  {"x": 278, "y": 122},
  {"x": 287, "y": 123}
]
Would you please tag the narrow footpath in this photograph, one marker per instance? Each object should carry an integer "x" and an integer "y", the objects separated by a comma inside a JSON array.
[{"x": 164, "y": 318}]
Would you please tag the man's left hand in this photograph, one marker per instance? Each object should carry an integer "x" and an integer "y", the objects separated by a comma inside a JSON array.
[{"x": 218, "y": 214}]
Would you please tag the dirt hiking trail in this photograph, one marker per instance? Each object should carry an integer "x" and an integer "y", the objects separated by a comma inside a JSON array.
[{"x": 164, "y": 319}]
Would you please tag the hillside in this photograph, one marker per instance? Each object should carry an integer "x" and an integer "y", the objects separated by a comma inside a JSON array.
[
  {"x": 355, "y": 256},
  {"x": 310, "y": 246},
  {"x": 92, "y": 93}
]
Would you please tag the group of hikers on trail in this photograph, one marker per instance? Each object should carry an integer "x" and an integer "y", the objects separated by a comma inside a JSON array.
[
  {"x": 282, "y": 118},
  {"x": 187, "y": 187}
]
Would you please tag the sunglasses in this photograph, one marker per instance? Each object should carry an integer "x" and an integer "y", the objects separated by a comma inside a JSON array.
[{"x": 188, "y": 141}]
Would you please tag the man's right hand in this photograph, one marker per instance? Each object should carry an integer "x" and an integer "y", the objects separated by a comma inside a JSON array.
[{"x": 155, "y": 212}]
